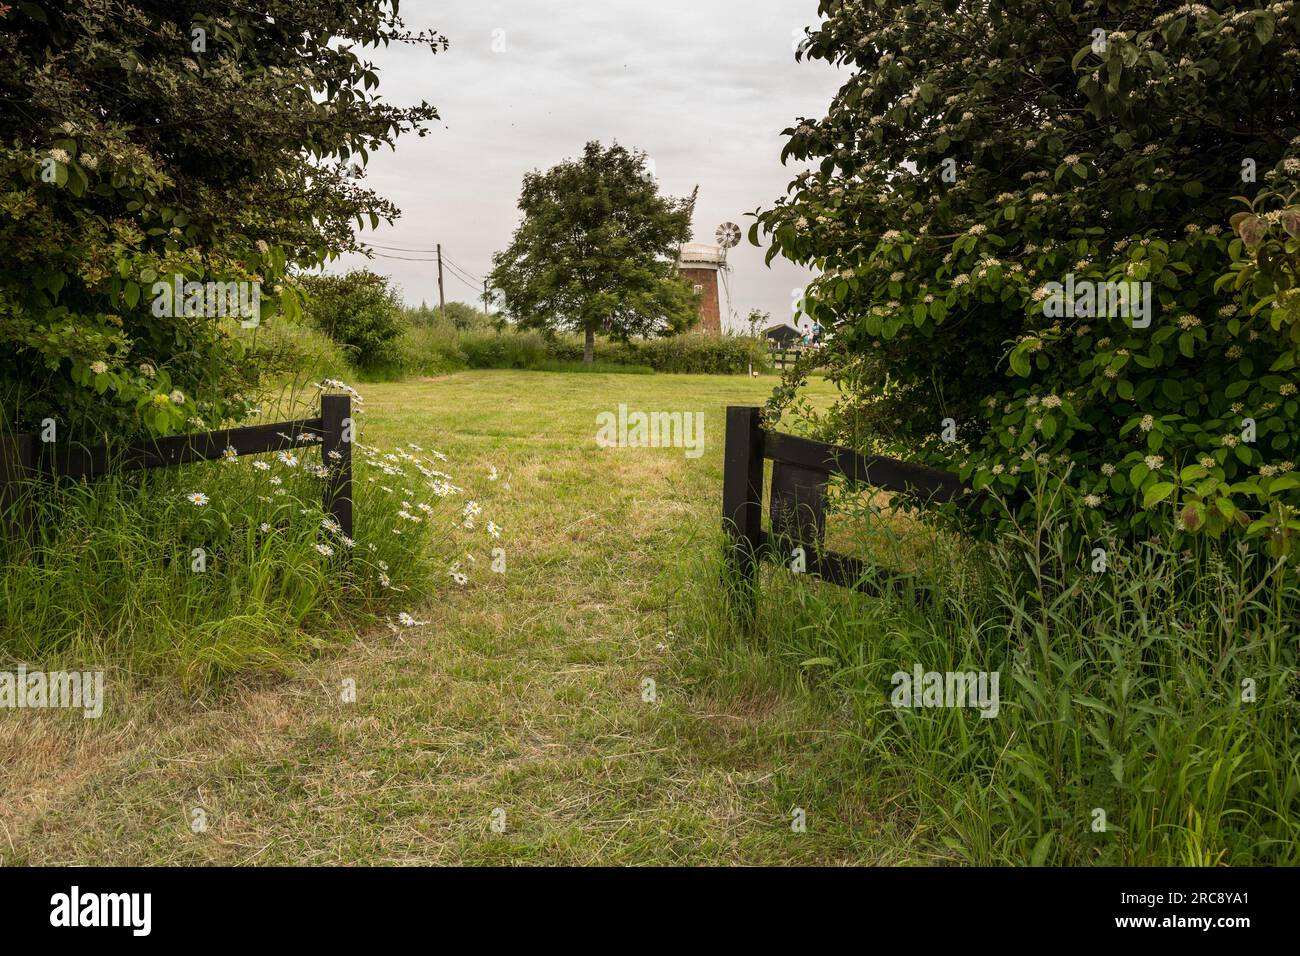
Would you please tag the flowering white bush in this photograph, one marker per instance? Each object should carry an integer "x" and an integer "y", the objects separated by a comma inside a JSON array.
[{"x": 977, "y": 162}]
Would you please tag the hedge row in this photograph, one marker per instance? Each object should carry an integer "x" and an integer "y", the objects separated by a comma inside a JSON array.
[{"x": 691, "y": 353}]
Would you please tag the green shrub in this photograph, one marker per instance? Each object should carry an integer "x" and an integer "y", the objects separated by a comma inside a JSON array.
[
  {"x": 702, "y": 354},
  {"x": 429, "y": 350},
  {"x": 286, "y": 351},
  {"x": 465, "y": 317},
  {"x": 569, "y": 348},
  {"x": 503, "y": 349},
  {"x": 360, "y": 312},
  {"x": 690, "y": 353},
  {"x": 955, "y": 185}
]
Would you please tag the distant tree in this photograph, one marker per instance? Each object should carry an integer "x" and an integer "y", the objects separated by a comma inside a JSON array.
[
  {"x": 465, "y": 317},
  {"x": 597, "y": 250},
  {"x": 758, "y": 322}
]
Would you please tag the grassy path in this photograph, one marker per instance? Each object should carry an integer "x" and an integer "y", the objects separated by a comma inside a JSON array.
[{"x": 523, "y": 693}]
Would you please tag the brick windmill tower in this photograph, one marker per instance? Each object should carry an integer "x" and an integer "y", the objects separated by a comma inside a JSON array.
[{"x": 705, "y": 267}]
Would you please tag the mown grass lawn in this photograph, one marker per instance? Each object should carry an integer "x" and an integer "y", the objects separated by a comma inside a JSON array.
[{"x": 523, "y": 694}]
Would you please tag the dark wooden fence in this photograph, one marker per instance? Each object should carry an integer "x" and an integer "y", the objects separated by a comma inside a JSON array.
[
  {"x": 26, "y": 457},
  {"x": 801, "y": 470}
]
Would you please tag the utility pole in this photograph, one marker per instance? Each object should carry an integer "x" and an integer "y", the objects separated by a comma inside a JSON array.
[
  {"x": 442, "y": 301},
  {"x": 485, "y": 297}
]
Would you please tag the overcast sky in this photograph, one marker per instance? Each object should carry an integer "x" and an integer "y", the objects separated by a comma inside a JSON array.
[{"x": 704, "y": 87}]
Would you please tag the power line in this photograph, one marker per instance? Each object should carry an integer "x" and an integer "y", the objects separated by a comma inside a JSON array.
[
  {"x": 467, "y": 282},
  {"x": 466, "y": 274},
  {"x": 472, "y": 275},
  {"x": 460, "y": 273},
  {"x": 380, "y": 255},
  {"x": 380, "y": 245}
]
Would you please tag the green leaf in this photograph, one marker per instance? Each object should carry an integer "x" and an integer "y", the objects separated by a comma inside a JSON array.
[
  {"x": 1041, "y": 849},
  {"x": 1226, "y": 508},
  {"x": 1157, "y": 493},
  {"x": 818, "y": 662},
  {"x": 1193, "y": 516}
]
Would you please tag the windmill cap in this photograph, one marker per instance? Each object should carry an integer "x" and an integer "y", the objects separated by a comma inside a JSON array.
[{"x": 702, "y": 253}]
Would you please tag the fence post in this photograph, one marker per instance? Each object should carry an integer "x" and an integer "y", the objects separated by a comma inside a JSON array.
[
  {"x": 336, "y": 455},
  {"x": 742, "y": 502}
]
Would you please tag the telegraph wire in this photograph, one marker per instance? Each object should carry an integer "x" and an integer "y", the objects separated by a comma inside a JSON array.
[
  {"x": 467, "y": 272},
  {"x": 463, "y": 275}
]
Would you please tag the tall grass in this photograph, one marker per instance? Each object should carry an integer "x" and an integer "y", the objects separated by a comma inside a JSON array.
[
  {"x": 1125, "y": 693},
  {"x": 129, "y": 571}
]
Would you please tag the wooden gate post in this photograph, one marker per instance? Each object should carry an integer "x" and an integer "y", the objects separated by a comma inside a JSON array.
[
  {"x": 798, "y": 511},
  {"x": 742, "y": 503},
  {"x": 337, "y": 431}
]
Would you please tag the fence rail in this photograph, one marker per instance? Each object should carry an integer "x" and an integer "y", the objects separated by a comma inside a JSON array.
[
  {"x": 783, "y": 356},
  {"x": 801, "y": 470},
  {"x": 25, "y": 457}
]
